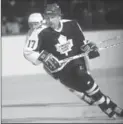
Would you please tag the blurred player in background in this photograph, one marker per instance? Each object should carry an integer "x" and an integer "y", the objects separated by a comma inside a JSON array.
[
  {"x": 62, "y": 39},
  {"x": 36, "y": 24},
  {"x": 35, "y": 20}
]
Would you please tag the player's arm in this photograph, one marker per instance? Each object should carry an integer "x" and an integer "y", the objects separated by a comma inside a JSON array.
[
  {"x": 33, "y": 45},
  {"x": 48, "y": 59},
  {"x": 30, "y": 50},
  {"x": 92, "y": 47},
  {"x": 37, "y": 54},
  {"x": 88, "y": 45},
  {"x": 32, "y": 56},
  {"x": 50, "y": 62}
]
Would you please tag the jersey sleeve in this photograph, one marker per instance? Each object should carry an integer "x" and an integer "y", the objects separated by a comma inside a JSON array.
[
  {"x": 31, "y": 56},
  {"x": 31, "y": 50},
  {"x": 80, "y": 33}
]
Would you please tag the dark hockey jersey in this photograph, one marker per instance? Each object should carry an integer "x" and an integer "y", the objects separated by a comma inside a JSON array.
[{"x": 62, "y": 43}]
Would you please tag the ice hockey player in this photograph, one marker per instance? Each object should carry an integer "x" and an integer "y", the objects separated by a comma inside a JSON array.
[
  {"x": 36, "y": 23},
  {"x": 63, "y": 39}
]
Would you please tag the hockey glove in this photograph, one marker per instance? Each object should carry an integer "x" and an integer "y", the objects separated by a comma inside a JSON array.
[
  {"x": 92, "y": 48},
  {"x": 50, "y": 62}
]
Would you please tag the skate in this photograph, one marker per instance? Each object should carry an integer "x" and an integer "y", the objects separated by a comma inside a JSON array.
[
  {"x": 118, "y": 111},
  {"x": 110, "y": 113},
  {"x": 110, "y": 108}
]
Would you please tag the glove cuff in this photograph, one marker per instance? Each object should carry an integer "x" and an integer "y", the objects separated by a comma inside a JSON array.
[
  {"x": 43, "y": 56},
  {"x": 93, "y": 54}
]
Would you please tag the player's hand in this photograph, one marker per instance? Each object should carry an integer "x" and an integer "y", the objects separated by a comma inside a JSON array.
[
  {"x": 92, "y": 50},
  {"x": 50, "y": 61},
  {"x": 89, "y": 47}
]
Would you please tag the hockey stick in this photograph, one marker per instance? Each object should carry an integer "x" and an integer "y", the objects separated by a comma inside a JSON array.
[
  {"x": 64, "y": 62},
  {"x": 101, "y": 48},
  {"x": 113, "y": 45},
  {"x": 110, "y": 39}
]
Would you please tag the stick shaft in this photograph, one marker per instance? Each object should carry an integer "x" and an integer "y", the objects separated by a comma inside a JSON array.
[{"x": 110, "y": 39}]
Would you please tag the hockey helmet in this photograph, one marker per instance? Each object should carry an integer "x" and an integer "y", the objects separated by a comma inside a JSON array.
[
  {"x": 52, "y": 10},
  {"x": 35, "y": 19}
]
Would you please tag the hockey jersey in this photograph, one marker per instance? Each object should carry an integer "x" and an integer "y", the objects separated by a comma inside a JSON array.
[
  {"x": 31, "y": 43},
  {"x": 62, "y": 43}
]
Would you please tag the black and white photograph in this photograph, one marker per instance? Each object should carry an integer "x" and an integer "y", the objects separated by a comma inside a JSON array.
[{"x": 62, "y": 61}]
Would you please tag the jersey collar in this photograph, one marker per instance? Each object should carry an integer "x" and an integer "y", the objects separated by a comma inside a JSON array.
[{"x": 60, "y": 29}]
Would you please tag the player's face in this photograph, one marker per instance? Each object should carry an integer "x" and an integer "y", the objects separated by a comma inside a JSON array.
[
  {"x": 53, "y": 21},
  {"x": 34, "y": 25}
]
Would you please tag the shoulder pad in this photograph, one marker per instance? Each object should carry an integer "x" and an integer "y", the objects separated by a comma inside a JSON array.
[{"x": 41, "y": 28}]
